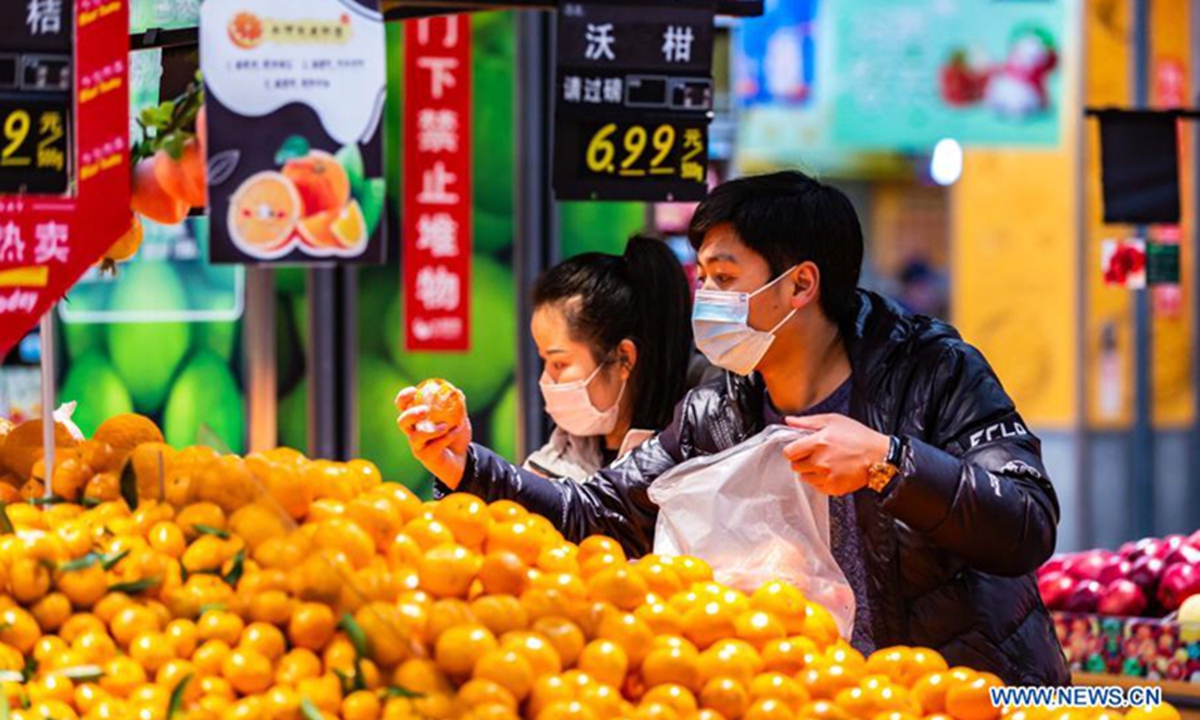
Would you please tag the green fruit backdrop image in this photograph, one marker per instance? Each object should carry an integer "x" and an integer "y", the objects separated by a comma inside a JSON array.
[
  {"x": 502, "y": 437},
  {"x": 147, "y": 355},
  {"x": 79, "y": 338},
  {"x": 206, "y": 393},
  {"x": 494, "y": 129},
  {"x": 482, "y": 371},
  {"x": 292, "y": 418},
  {"x": 598, "y": 226},
  {"x": 291, "y": 280},
  {"x": 377, "y": 288},
  {"x": 493, "y": 233},
  {"x": 219, "y": 338},
  {"x": 94, "y": 385},
  {"x": 380, "y": 441}
]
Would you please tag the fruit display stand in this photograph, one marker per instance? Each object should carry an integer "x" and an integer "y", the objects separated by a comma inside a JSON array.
[{"x": 186, "y": 583}]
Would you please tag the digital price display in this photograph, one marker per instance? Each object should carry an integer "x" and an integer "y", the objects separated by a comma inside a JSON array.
[
  {"x": 36, "y": 105},
  {"x": 634, "y": 101}
]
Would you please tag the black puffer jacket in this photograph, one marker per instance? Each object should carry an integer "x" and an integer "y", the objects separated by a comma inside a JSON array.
[{"x": 951, "y": 546}]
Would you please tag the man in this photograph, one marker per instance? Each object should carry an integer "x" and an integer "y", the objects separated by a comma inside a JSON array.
[{"x": 940, "y": 507}]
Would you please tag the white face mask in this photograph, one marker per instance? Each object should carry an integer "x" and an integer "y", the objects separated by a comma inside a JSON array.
[
  {"x": 720, "y": 323},
  {"x": 571, "y": 408}
]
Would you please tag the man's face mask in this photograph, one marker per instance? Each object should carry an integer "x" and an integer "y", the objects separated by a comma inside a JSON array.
[{"x": 720, "y": 323}]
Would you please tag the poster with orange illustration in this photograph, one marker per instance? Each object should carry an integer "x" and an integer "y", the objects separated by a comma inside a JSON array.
[{"x": 295, "y": 97}]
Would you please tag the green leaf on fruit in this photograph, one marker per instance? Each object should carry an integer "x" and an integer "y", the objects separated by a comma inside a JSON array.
[
  {"x": 235, "y": 571},
  {"x": 209, "y": 530},
  {"x": 351, "y": 160},
  {"x": 396, "y": 691},
  {"x": 6, "y": 526},
  {"x": 309, "y": 710},
  {"x": 79, "y": 563},
  {"x": 108, "y": 562},
  {"x": 52, "y": 500},
  {"x": 82, "y": 673},
  {"x": 296, "y": 146},
  {"x": 176, "y": 704},
  {"x": 129, "y": 487},
  {"x": 355, "y": 632},
  {"x": 135, "y": 587},
  {"x": 214, "y": 607}
]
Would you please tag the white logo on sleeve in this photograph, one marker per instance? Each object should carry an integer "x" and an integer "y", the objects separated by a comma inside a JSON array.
[{"x": 998, "y": 431}]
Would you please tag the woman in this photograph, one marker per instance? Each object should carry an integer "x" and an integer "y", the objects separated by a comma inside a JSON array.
[{"x": 615, "y": 335}]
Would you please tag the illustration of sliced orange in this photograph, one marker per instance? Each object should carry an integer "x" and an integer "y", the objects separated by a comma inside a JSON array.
[
  {"x": 263, "y": 214},
  {"x": 350, "y": 227},
  {"x": 317, "y": 232}
]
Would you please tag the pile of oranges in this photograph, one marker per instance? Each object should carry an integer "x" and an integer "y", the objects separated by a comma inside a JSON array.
[{"x": 197, "y": 585}]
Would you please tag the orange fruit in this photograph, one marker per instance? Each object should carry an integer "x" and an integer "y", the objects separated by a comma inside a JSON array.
[
  {"x": 485, "y": 692},
  {"x": 759, "y": 627},
  {"x": 726, "y": 696},
  {"x": 930, "y": 692},
  {"x": 676, "y": 697},
  {"x": 619, "y": 586},
  {"x": 921, "y": 662},
  {"x": 247, "y": 671},
  {"x": 972, "y": 700},
  {"x": 296, "y": 665},
  {"x": 547, "y": 691},
  {"x": 559, "y": 558},
  {"x": 219, "y": 625},
  {"x": 518, "y": 537},
  {"x": 263, "y": 212},
  {"x": 565, "y": 636},
  {"x": 709, "y": 622},
  {"x": 500, "y": 613},
  {"x": 779, "y": 687},
  {"x": 448, "y": 571},
  {"x": 122, "y": 675},
  {"x": 311, "y": 626},
  {"x": 567, "y": 710},
  {"x": 819, "y": 625},
  {"x": 503, "y": 572},
  {"x": 51, "y": 611},
  {"x": 210, "y": 657},
  {"x": 788, "y": 656},
  {"x": 661, "y": 618},
  {"x": 361, "y": 705},
  {"x": 447, "y": 406},
  {"x": 631, "y": 634},
  {"x": 825, "y": 710},
  {"x": 503, "y": 511},
  {"x": 507, "y": 668},
  {"x": 445, "y": 614},
  {"x": 606, "y": 661},
  {"x": 320, "y": 181},
  {"x": 265, "y": 639},
  {"x": 151, "y": 650},
  {"x": 460, "y": 648},
  {"x": 769, "y": 709},
  {"x": 536, "y": 649},
  {"x": 677, "y": 665},
  {"x": 428, "y": 533}
]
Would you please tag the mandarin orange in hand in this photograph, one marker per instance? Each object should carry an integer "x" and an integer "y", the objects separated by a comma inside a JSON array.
[{"x": 447, "y": 404}]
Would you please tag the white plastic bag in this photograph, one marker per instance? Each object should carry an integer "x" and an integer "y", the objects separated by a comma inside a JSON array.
[{"x": 746, "y": 514}]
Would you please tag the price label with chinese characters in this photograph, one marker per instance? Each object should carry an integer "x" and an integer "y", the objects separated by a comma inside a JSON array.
[
  {"x": 436, "y": 256},
  {"x": 633, "y": 101}
]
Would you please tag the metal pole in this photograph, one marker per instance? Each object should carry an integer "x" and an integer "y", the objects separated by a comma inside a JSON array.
[
  {"x": 536, "y": 232},
  {"x": 322, "y": 363},
  {"x": 1143, "y": 450},
  {"x": 258, "y": 339},
  {"x": 1082, "y": 441},
  {"x": 47, "y": 360},
  {"x": 349, "y": 369}
]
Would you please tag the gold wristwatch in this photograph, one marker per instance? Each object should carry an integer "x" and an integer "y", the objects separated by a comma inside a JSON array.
[{"x": 881, "y": 473}]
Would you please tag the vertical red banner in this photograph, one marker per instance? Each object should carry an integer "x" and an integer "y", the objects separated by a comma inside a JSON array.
[{"x": 436, "y": 223}]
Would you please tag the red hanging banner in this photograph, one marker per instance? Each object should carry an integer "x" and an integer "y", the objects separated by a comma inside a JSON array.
[
  {"x": 64, "y": 149},
  {"x": 436, "y": 223}
]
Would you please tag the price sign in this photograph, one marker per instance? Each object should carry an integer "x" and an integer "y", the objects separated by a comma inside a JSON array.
[
  {"x": 634, "y": 100},
  {"x": 35, "y": 97}
]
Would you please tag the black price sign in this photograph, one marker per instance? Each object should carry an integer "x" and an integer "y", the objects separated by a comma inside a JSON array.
[
  {"x": 633, "y": 102},
  {"x": 33, "y": 146},
  {"x": 36, "y": 97}
]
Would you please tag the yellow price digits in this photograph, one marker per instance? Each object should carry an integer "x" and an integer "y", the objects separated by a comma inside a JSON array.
[
  {"x": 601, "y": 154},
  {"x": 16, "y": 131}
]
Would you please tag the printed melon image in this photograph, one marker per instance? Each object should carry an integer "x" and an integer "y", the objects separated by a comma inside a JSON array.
[
  {"x": 99, "y": 393},
  {"x": 482, "y": 372},
  {"x": 292, "y": 418},
  {"x": 598, "y": 227},
  {"x": 263, "y": 213},
  {"x": 147, "y": 355},
  {"x": 380, "y": 441},
  {"x": 503, "y": 425},
  {"x": 206, "y": 393}
]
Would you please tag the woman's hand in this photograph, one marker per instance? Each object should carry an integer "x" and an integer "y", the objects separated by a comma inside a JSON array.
[{"x": 442, "y": 449}]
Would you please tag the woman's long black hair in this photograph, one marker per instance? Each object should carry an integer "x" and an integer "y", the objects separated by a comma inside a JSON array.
[{"x": 642, "y": 296}]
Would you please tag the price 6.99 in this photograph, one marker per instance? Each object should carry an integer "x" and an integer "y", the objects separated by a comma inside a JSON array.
[{"x": 634, "y": 151}]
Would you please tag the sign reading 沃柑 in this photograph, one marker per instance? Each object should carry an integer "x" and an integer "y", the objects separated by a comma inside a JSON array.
[
  {"x": 64, "y": 149},
  {"x": 436, "y": 255},
  {"x": 295, "y": 96},
  {"x": 633, "y": 101}
]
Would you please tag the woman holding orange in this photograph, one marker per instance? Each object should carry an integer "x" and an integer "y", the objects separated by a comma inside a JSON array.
[{"x": 615, "y": 335}]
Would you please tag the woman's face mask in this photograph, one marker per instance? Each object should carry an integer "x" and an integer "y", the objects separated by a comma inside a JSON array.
[
  {"x": 720, "y": 323},
  {"x": 570, "y": 406}
]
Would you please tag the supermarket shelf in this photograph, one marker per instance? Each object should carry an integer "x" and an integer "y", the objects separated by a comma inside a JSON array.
[
  {"x": 1183, "y": 695},
  {"x": 404, "y": 9}
]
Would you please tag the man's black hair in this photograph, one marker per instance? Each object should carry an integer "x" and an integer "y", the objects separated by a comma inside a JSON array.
[{"x": 789, "y": 218}]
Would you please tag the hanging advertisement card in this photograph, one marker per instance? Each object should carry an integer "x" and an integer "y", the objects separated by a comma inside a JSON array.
[
  {"x": 295, "y": 96},
  {"x": 64, "y": 149},
  {"x": 437, "y": 184}
]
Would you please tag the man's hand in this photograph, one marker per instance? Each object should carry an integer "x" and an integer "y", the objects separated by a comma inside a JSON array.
[
  {"x": 836, "y": 457},
  {"x": 440, "y": 448}
]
